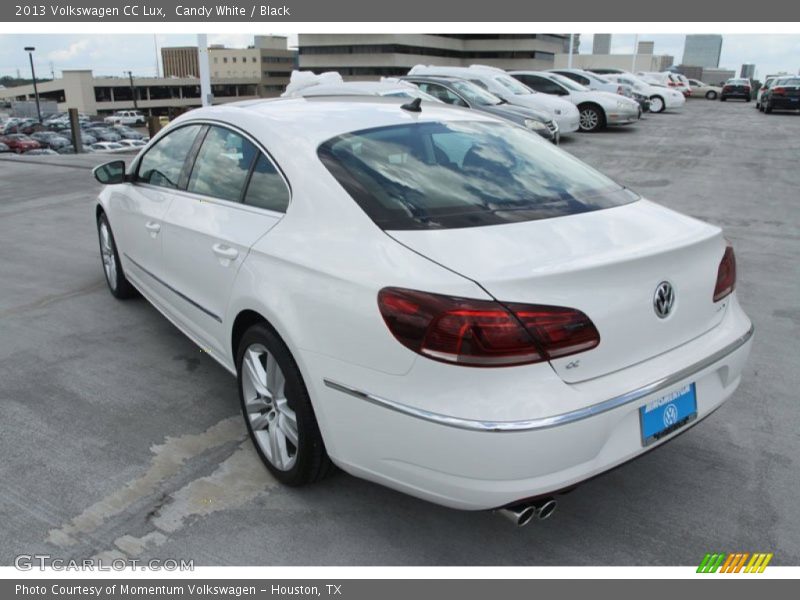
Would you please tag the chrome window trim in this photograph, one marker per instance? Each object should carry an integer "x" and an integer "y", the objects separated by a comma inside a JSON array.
[{"x": 555, "y": 420}]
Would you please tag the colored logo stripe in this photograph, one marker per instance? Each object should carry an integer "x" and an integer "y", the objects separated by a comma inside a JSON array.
[{"x": 734, "y": 562}]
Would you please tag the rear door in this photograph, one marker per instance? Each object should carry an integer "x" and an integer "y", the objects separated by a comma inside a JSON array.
[{"x": 234, "y": 195}]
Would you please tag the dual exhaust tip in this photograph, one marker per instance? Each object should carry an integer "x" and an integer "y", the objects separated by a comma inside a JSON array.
[{"x": 522, "y": 514}]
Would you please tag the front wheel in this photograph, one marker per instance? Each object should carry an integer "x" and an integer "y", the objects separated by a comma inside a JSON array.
[
  {"x": 722, "y": 98},
  {"x": 118, "y": 284},
  {"x": 591, "y": 119},
  {"x": 657, "y": 104},
  {"x": 277, "y": 409},
  {"x": 711, "y": 95}
]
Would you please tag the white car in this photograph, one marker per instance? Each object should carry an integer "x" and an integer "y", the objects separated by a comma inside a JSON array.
[
  {"x": 126, "y": 117},
  {"x": 501, "y": 84},
  {"x": 704, "y": 90},
  {"x": 437, "y": 300},
  {"x": 667, "y": 79},
  {"x": 308, "y": 84},
  {"x": 597, "y": 109},
  {"x": 593, "y": 81},
  {"x": 108, "y": 146},
  {"x": 661, "y": 97}
]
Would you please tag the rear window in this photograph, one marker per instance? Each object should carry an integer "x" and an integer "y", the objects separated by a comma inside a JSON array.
[{"x": 463, "y": 174}]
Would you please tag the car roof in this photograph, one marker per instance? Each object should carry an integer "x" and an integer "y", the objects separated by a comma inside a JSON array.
[{"x": 315, "y": 119}]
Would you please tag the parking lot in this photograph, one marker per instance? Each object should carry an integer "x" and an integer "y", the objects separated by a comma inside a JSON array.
[{"x": 122, "y": 439}]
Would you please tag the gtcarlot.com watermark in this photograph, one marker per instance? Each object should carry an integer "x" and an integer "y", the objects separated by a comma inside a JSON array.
[{"x": 42, "y": 562}]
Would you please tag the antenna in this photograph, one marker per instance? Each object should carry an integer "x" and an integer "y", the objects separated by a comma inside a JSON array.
[{"x": 412, "y": 106}]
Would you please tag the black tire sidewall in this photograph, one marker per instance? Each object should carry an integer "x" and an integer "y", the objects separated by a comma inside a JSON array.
[
  {"x": 122, "y": 289},
  {"x": 309, "y": 438}
]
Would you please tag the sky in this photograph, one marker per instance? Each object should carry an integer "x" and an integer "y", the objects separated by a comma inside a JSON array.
[{"x": 115, "y": 54}]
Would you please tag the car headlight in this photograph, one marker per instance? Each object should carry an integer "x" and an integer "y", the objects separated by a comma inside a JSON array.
[{"x": 535, "y": 125}]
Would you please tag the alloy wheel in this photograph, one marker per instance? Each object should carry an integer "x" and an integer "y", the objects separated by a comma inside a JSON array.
[
  {"x": 108, "y": 254},
  {"x": 589, "y": 119},
  {"x": 272, "y": 420}
]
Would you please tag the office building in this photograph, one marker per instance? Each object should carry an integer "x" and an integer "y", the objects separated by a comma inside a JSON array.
[
  {"x": 644, "y": 62},
  {"x": 368, "y": 56},
  {"x": 268, "y": 59},
  {"x": 702, "y": 50},
  {"x": 748, "y": 71},
  {"x": 717, "y": 76},
  {"x": 601, "y": 43},
  {"x": 645, "y": 48}
]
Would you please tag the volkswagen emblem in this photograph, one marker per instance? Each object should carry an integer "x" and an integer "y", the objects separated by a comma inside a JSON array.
[
  {"x": 664, "y": 299},
  {"x": 670, "y": 415}
]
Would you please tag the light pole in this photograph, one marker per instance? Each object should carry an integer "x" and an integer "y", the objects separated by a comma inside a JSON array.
[
  {"x": 30, "y": 50},
  {"x": 133, "y": 90}
]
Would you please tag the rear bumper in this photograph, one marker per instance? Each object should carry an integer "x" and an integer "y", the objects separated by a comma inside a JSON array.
[
  {"x": 784, "y": 103},
  {"x": 480, "y": 463}
]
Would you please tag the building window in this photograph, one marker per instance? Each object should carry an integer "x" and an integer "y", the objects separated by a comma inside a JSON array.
[
  {"x": 253, "y": 59},
  {"x": 225, "y": 59},
  {"x": 234, "y": 59}
]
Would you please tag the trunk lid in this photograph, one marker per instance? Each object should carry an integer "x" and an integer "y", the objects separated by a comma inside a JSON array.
[{"x": 607, "y": 263}]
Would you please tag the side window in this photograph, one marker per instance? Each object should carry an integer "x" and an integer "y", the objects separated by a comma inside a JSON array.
[
  {"x": 540, "y": 84},
  {"x": 479, "y": 83},
  {"x": 442, "y": 93},
  {"x": 267, "y": 188},
  {"x": 163, "y": 163},
  {"x": 222, "y": 165}
]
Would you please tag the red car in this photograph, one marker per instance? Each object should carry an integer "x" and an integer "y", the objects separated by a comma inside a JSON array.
[{"x": 20, "y": 143}]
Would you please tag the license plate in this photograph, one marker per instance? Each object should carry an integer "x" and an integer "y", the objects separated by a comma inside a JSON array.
[{"x": 667, "y": 414}]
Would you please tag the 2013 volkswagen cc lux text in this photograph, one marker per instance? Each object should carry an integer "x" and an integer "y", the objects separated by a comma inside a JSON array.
[{"x": 427, "y": 297}]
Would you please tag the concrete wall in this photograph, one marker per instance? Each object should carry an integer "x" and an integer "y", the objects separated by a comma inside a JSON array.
[{"x": 644, "y": 62}]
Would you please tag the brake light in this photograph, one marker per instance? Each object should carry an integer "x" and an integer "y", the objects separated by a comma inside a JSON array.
[
  {"x": 483, "y": 333},
  {"x": 727, "y": 87},
  {"x": 726, "y": 274},
  {"x": 779, "y": 91}
]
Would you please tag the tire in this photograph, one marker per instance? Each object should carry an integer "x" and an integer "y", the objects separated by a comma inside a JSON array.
[
  {"x": 722, "y": 98},
  {"x": 657, "y": 104},
  {"x": 768, "y": 108},
  {"x": 747, "y": 99},
  {"x": 277, "y": 409},
  {"x": 711, "y": 95},
  {"x": 118, "y": 284},
  {"x": 592, "y": 118}
]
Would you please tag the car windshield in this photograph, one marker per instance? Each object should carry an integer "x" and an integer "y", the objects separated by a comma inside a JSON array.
[
  {"x": 441, "y": 175},
  {"x": 512, "y": 85},
  {"x": 568, "y": 83},
  {"x": 409, "y": 92},
  {"x": 475, "y": 94}
]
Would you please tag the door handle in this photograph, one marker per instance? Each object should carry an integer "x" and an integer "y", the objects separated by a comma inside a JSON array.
[
  {"x": 153, "y": 227},
  {"x": 225, "y": 252}
]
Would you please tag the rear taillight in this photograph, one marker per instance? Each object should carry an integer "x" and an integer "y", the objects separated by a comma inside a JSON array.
[
  {"x": 726, "y": 274},
  {"x": 727, "y": 88},
  {"x": 483, "y": 333},
  {"x": 779, "y": 91}
]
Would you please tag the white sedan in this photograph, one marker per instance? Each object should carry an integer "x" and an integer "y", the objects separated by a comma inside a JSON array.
[
  {"x": 661, "y": 97},
  {"x": 597, "y": 109},
  {"x": 429, "y": 298}
]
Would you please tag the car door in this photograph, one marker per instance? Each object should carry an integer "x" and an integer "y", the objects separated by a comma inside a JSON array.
[
  {"x": 233, "y": 196},
  {"x": 136, "y": 212}
]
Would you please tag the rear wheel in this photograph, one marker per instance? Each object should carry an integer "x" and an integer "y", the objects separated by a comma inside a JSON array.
[
  {"x": 277, "y": 409},
  {"x": 768, "y": 107},
  {"x": 722, "y": 98},
  {"x": 711, "y": 95},
  {"x": 591, "y": 118},
  {"x": 657, "y": 104},
  {"x": 118, "y": 284}
]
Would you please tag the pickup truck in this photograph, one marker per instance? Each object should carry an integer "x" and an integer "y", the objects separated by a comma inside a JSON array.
[{"x": 126, "y": 117}]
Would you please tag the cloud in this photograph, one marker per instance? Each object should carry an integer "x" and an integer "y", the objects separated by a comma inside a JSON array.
[{"x": 73, "y": 50}]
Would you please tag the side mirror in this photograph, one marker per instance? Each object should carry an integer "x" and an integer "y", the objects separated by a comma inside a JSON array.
[{"x": 110, "y": 173}]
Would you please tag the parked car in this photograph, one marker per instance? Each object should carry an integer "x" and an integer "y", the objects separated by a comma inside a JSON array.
[
  {"x": 104, "y": 134},
  {"x": 661, "y": 98},
  {"x": 597, "y": 109},
  {"x": 307, "y": 84},
  {"x": 132, "y": 143},
  {"x": 4, "y": 148},
  {"x": 736, "y": 87},
  {"x": 667, "y": 79},
  {"x": 768, "y": 81},
  {"x": 126, "y": 133},
  {"x": 593, "y": 81},
  {"x": 107, "y": 146},
  {"x": 463, "y": 93},
  {"x": 390, "y": 285},
  {"x": 501, "y": 84},
  {"x": 20, "y": 143},
  {"x": 783, "y": 94},
  {"x": 49, "y": 139},
  {"x": 704, "y": 90},
  {"x": 125, "y": 117}
]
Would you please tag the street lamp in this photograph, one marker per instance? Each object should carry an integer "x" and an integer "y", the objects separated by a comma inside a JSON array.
[
  {"x": 133, "y": 90},
  {"x": 30, "y": 50}
]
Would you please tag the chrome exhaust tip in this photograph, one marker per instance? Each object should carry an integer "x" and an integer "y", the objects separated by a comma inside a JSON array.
[{"x": 522, "y": 514}]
